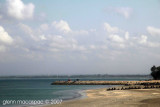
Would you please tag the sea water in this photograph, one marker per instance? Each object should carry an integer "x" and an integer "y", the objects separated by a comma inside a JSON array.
[{"x": 41, "y": 89}]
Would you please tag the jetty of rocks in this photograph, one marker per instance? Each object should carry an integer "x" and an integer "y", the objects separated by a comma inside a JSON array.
[
  {"x": 133, "y": 87},
  {"x": 147, "y": 82}
]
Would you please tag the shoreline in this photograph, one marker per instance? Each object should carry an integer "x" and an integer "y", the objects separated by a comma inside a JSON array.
[
  {"x": 120, "y": 98},
  {"x": 81, "y": 95}
]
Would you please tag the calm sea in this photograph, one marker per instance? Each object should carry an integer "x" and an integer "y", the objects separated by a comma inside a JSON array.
[{"x": 40, "y": 89}]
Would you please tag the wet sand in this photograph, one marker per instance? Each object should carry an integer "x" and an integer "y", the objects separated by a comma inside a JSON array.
[{"x": 116, "y": 98}]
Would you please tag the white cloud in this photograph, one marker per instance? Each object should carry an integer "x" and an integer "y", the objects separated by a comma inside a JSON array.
[
  {"x": 116, "y": 38},
  {"x": 42, "y": 16},
  {"x": 80, "y": 32},
  {"x": 122, "y": 45},
  {"x": 92, "y": 46},
  {"x": 34, "y": 35},
  {"x": 17, "y": 9},
  {"x": 153, "y": 44},
  {"x": 1, "y": 16},
  {"x": 5, "y": 37},
  {"x": 2, "y": 48},
  {"x": 127, "y": 35},
  {"x": 44, "y": 27},
  {"x": 125, "y": 11},
  {"x": 153, "y": 31},
  {"x": 110, "y": 29},
  {"x": 42, "y": 37},
  {"x": 59, "y": 43},
  {"x": 27, "y": 30},
  {"x": 62, "y": 26},
  {"x": 143, "y": 39}
]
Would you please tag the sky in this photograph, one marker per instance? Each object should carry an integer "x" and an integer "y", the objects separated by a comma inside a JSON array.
[{"x": 69, "y": 37}]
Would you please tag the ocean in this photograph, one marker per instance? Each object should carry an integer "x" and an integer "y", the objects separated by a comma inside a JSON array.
[{"x": 40, "y": 89}]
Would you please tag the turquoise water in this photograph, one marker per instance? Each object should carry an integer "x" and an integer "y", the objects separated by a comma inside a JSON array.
[{"x": 40, "y": 89}]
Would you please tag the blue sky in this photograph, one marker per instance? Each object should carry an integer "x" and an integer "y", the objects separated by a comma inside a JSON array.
[{"x": 79, "y": 36}]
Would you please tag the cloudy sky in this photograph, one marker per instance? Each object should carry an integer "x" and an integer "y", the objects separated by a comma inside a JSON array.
[{"x": 43, "y": 37}]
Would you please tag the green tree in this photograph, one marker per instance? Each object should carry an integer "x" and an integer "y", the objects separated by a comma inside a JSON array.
[{"x": 155, "y": 72}]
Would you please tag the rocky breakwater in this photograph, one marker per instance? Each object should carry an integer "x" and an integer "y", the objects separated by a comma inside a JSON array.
[{"x": 148, "y": 82}]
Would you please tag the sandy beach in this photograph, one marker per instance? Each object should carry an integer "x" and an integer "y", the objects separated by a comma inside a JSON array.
[{"x": 116, "y": 98}]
